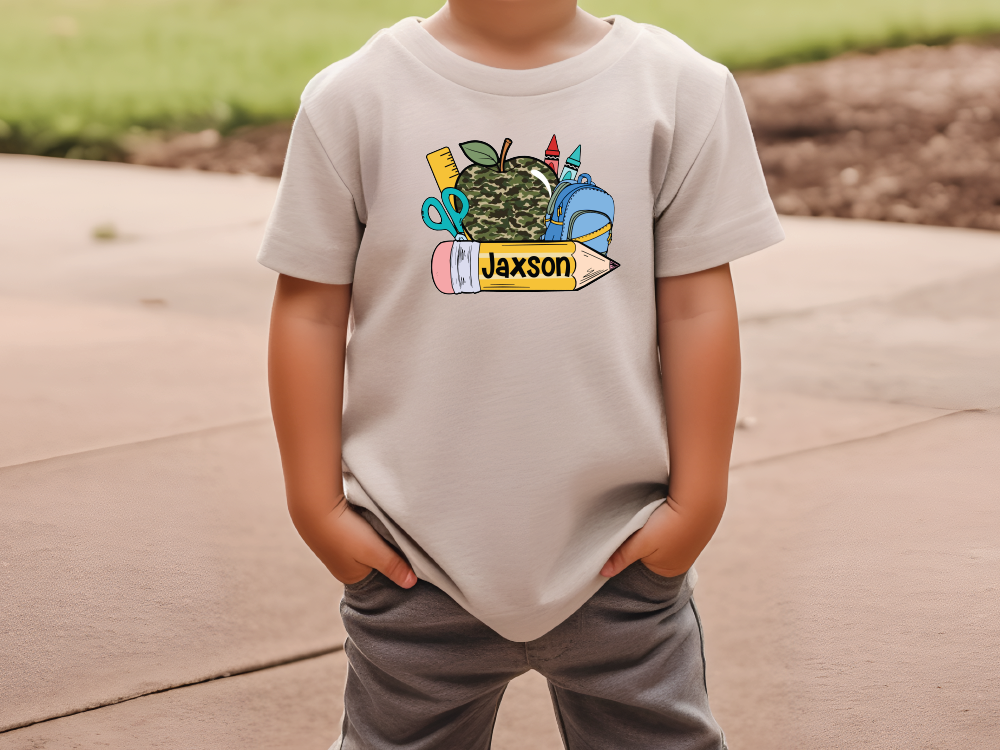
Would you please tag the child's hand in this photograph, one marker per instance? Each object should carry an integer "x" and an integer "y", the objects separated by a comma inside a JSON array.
[
  {"x": 699, "y": 337},
  {"x": 306, "y": 376},
  {"x": 668, "y": 544},
  {"x": 349, "y": 547}
]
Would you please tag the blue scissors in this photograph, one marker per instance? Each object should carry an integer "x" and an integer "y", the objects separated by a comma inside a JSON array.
[{"x": 449, "y": 219}]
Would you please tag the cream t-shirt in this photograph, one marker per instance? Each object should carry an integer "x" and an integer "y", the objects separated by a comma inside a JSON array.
[{"x": 504, "y": 416}]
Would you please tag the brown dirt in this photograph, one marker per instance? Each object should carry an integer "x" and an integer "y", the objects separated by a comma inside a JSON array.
[
  {"x": 251, "y": 150},
  {"x": 909, "y": 135}
]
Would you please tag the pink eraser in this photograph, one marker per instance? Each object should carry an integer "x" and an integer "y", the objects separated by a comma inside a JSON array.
[{"x": 441, "y": 268}]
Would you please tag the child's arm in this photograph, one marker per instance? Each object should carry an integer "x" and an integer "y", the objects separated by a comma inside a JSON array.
[
  {"x": 306, "y": 376},
  {"x": 700, "y": 365}
]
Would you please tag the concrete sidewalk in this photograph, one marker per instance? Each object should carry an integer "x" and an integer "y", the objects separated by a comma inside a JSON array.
[{"x": 156, "y": 595}]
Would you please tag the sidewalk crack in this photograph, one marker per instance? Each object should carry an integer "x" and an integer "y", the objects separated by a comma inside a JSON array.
[{"x": 219, "y": 676}]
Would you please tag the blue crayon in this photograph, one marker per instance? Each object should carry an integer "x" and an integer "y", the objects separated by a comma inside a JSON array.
[{"x": 572, "y": 165}]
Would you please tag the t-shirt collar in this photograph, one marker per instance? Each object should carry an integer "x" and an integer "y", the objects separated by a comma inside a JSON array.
[{"x": 532, "y": 82}]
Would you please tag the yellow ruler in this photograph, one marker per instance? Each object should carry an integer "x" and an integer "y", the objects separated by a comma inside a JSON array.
[{"x": 443, "y": 166}]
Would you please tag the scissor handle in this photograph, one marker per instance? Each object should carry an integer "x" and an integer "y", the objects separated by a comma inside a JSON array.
[
  {"x": 444, "y": 216},
  {"x": 456, "y": 216}
]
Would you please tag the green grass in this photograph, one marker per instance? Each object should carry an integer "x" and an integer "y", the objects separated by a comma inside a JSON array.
[
  {"x": 76, "y": 74},
  {"x": 766, "y": 33}
]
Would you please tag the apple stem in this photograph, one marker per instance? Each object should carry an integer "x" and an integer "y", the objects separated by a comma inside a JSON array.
[{"x": 503, "y": 151}]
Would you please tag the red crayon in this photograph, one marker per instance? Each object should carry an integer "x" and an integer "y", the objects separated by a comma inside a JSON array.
[{"x": 552, "y": 155}]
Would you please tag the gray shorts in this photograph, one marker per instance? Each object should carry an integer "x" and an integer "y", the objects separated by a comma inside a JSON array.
[{"x": 627, "y": 670}]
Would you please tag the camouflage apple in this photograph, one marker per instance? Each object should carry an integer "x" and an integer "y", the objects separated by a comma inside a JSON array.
[{"x": 507, "y": 197}]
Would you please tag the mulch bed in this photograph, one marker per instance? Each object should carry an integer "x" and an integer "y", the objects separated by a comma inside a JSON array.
[
  {"x": 909, "y": 135},
  {"x": 249, "y": 150}
]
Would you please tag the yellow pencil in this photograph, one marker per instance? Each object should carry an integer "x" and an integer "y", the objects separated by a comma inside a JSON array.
[{"x": 469, "y": 267}]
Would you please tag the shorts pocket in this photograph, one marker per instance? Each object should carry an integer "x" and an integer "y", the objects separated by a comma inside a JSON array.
[
  {"x": 357, "y": 585},
  {"x": 651, "y": 591},
  {"x": 665, "y": 580}
]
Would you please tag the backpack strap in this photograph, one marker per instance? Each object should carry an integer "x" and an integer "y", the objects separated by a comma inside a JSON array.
[{"x": 592, "y": 235}]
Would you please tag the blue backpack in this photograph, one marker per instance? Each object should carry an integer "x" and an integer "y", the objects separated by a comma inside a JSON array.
[{"x": 579, "y": 210}]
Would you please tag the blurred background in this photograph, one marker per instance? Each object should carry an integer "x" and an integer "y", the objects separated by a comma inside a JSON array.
[
  {"x": 153, "y": 592},
  {"x": 213, "y": 84}
]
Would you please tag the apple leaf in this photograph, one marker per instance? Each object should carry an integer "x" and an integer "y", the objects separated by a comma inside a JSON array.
[{"x": 480, "y": 153}]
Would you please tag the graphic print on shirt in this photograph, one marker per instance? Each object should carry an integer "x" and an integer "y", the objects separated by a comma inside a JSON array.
[{"x": 516, "y": 227}]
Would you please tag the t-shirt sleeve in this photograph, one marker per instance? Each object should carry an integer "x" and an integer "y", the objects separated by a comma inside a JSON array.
[
  {"x": 721, "y": 210},
  {"x": 314, "y": 231}
]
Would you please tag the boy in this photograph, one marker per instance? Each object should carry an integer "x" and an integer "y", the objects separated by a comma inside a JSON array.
[{"x": 503, "y": 438}]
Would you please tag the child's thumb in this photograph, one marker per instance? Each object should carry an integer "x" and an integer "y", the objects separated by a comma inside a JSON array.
[
  {"x": 624, "y": 556},
  {"x": 396, "y": 570}
]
